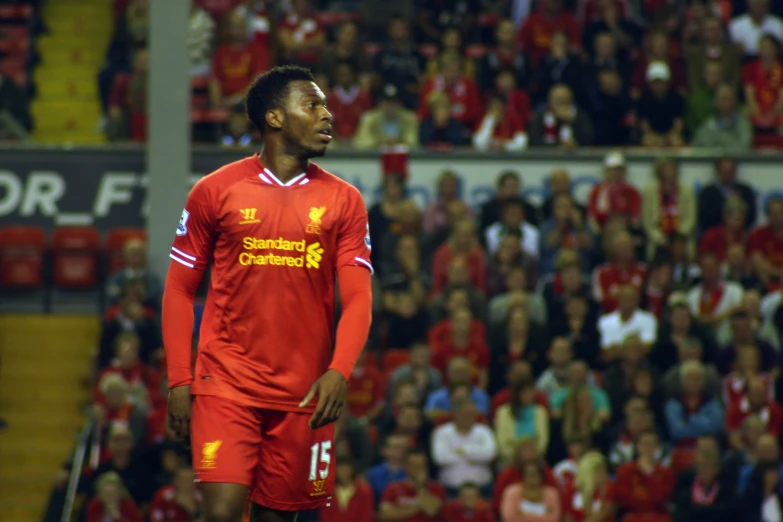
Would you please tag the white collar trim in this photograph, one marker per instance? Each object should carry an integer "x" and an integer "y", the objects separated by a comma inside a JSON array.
[{"x": 270, "y": 179}]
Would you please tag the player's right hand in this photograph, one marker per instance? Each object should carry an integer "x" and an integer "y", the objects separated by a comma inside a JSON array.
[{"x": 179, "y": 411}]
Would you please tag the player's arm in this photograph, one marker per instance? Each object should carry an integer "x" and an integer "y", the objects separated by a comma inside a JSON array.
[
  {"x": 354, "y": 272},
  {"x": 189, "y": 256}
]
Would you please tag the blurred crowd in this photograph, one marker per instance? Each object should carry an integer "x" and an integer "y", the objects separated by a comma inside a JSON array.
[
  {"x": 616, "y": 361},
  {"x": 487, "y": 74}
]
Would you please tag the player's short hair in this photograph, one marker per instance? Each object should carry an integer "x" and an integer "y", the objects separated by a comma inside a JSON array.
[{"x": 268, "y": 91}]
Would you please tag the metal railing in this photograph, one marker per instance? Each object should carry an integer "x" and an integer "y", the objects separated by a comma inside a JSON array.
[{"x": 88, "y": 446}]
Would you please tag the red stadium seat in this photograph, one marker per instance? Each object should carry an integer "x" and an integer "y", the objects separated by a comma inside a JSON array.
[
  {"x": 14, "y": 47},
  {"x": 75, "y": 253},
  {"x": 371, "y": 359},
  {"x": 393, "y": 359},
  {"x": 209, "y": 115},
  {"x": 372, "y": 49},
  {"x": 428, "y": 50},
  {"x": 331, "y": 18},
  {"x": 488, "y": 20},
  {"x": 21, "y": 257},
  {"x": 199, "y": 83},
  {"x": 475, "y": 52},
  {"x": 115, "y": 242},
  {"x": 682, "y": 459},
  {"x": 16, "y": 12},
  {"x": 14, "y": 32}
]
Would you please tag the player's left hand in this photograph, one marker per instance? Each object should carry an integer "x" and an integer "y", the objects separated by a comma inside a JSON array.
[{"x": 331, "y": 389}]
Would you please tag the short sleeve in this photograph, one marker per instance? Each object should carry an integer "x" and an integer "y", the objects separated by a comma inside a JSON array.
[
  {"x": 353, "y": 240},
  {"x": 194, "y": 235},
  {"x": 649, "y": 330}
]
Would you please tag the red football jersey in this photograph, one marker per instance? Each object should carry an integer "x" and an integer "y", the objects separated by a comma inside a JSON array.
[
  {"x": 365, "y": 390},
  {"x": 764, "y": 241},
  {"x": 455, "y": 511},
  {"x": 274, "y": 248},
  {"x": 403, "y": 493},
  {"x": 165, "y": 507},
  {"x": 574, "y": 503},
  {"x": 735, "y": 388},
  {"x": 608, "y": 278},
  {"x": 771, "y": 415}
]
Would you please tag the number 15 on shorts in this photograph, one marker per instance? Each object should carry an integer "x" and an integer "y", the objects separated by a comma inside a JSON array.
[{"x": 320, "y": 460}]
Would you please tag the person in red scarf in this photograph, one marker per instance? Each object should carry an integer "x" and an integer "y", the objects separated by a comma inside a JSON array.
[
  {"x": 669, "y": 206},
  {"x": 178, "y": 501},
  {"x": 747, "y": 367},
  {"x": 462, "y": 242},
  {"x": 144, "y": 381},
  {"x": 501, "y": 128},
  {"x": 536, "y": 32},
  {"x": 757, "y": 402},
  {"x": 462, "y": 343},
  {"x": 614, "y": 195},
  {"x": 622, "y": 270},
  {"x": 561, "y": 123},
  {"x": 366, "y": 394},
  {"x": 461, "y": 91},
  {"x": 590, "y": 497},
  {"x": 235, "y": 64},
  {"x": 658, "y": 286},
  {"x": 643, "y": 487},
  {"x": 416, "y": 498},
  {"x": 347, "y": 102},
  {"x": 763, "y": 82},
  {"x": 765, "y": 245},
  {"x": 468, "y": 506},
  {"x": 300, "y": 36},
  {"x": 117, "y": 408},
  {"x": 714, "y": 299},
  {"x": 112, "y": 502},
  {"x": 353, "y": 497},
  {"x": 732, "y": 231},
  {"x": 517, "y": 99}
]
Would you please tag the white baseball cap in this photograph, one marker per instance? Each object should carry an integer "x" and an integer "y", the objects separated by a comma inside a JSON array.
[
  {"x": 658, "y": 71},
  {"x": 614, "y": 159}
]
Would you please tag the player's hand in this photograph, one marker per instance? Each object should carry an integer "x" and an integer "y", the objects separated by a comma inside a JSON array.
[
  {"x": 330, "y": 388},
  {"x": 179, "y": 411}
]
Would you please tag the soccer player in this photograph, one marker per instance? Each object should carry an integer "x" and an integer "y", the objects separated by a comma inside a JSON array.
[{"x": 277, "y": 231}]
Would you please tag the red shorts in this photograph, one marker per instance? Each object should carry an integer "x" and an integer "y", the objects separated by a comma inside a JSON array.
[{"x": 286, "y": 465}]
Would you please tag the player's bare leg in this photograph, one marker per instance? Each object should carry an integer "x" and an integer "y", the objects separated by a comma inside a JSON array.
[
  {"x": 264, "y": 514},
  {"x": 224, "y": 502}
]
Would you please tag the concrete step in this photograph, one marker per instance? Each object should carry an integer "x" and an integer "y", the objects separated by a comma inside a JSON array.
[
  {"x": 74, "y": 138},
  {"x": 68, "y": 89}
]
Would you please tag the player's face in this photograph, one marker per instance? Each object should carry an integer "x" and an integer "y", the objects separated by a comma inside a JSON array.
[{"x": 308, "y": 124}]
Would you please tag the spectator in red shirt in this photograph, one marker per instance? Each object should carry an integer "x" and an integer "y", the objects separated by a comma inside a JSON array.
[
  {"x": 417, "y": 498},
  {"x": 468, "y": 506},
  {"x": 112, "y": 501},
  {"x": 732, "y": 231},
  {"x": 590, "y": 496},
  {"x": 347, "y": 102},
  {"x": 536, "y": 32},
  {"x": 517, "y": 99},
  {"x": 757, "y": 402},
  {"x": 460, "y": 90},
  {"x": 765, "y": 245},
  {"x": 643, "y": 487},
  {"x": 526, "y": 453},
  {"x": 658, "y": 49},
  {"x": 144, "y": 381},
  {"x": 500, "y": 128},
  {"x": 463, "y": 343},
  {"x": 533, "y": 500},
  {"x": 366, "y": 394},
  {"x": 463, "y": 242},
  {"x": 622, "y": 270},
  {"x": 763, "y": 82},
  {"x": 353, "y": 498},
  {"x": 178, "y": 502},
  {"x": 235, "y": 64},
  {"x": 300, "y": 35},
  {"x": 127, "y": 115},
  {"x": 746, "y": 368},
  {"x": 614, "y": 195}
]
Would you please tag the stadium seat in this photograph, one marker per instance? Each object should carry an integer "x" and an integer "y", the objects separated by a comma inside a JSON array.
[
  {"x": 209, "y": 115},
  {"x": 21, "y": 257},
  {"x": 332, "y": 18},
  {"x": 488, "y": 20},
  {"x": 115, "y": 242},
  {"x": 428, "y": 50},
  {"x": 16, "y": 12},
  {"x": 371, "y": 49},
  {"x": 371, "y": 359},
  {"x": 75, "y": 255},
  {"x": 394, "y": 358},
  {"x": 682, "y": 459},
  {"x": 475, "y": 52}
]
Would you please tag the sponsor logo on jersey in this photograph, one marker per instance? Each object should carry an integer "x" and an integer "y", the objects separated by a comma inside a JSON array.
[
  {"x": 209, "y": 454},
  {"x": 182, "y": 228},
  {"x": 316, "y": 216},
  {"x": 248, "y": 216},
  {"x": 318, "y": 488},
  {"x": 297, "y": 254}
]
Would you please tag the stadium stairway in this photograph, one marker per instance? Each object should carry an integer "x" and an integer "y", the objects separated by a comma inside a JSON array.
[
  {"x": 44, "y": 363},
  {"x": 67, "y": 108}
]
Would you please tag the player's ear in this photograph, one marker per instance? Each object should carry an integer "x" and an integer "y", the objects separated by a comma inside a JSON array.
[{"x": 275, "y": 118}]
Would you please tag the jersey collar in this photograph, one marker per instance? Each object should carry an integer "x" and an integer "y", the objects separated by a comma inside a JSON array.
[{"x": 268, "y": 177}]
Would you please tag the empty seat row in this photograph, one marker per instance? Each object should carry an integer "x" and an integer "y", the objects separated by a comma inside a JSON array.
[{"x": 75, "y": 257}]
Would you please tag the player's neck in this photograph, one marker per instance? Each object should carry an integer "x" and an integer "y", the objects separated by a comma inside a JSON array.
[{"x": 283, "y": 166}]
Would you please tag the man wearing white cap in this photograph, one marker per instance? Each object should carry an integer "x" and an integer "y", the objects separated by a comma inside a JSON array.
[
  {"x": 661, "y": 110},
  {"x": 614, "y": 196}
]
